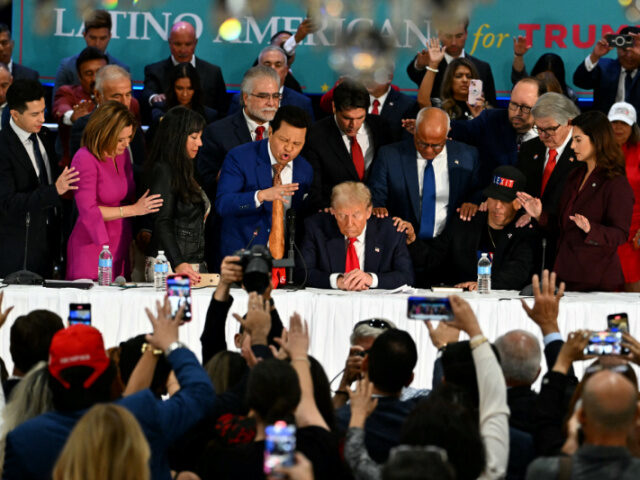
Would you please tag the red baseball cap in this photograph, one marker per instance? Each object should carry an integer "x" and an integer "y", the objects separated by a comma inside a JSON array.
[{"x": 74, "y": 346}]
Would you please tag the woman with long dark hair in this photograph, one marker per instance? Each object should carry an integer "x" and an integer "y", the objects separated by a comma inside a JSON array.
[
  {"x": 454, "y": 91},
  {"x": 178, "y": 228},
  {"x": 594, "y": 213},
  {"x": 185, "y": 89}
]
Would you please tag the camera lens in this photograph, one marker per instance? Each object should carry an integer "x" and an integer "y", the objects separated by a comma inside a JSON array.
[{"x": 619, "y": 41}]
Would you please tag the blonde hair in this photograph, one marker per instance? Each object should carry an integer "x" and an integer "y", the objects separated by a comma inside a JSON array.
[
  {"x": 105, "y": 124},
  {"x": 350, "y": 193},
  {"x": 106, "y": 444}
]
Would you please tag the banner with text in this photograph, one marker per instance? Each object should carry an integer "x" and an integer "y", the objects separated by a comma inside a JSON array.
[{"x": 44, "y": 35}]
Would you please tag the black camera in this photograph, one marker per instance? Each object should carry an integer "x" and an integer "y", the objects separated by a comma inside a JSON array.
[
  {"x": 256, "y": 266},
  {"x": 620, "y": 41}
]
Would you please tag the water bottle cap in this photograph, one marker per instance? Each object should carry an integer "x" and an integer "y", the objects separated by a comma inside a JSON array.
[
  {"x": 160, "y": 252},
  {"x": 105, "y": 247}
]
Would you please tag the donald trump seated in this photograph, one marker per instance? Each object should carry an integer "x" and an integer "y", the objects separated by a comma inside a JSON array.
[{"x": 348, "y": 249}]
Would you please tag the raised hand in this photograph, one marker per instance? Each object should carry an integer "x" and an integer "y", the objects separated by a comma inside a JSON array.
[
  {"x": 600, "y": 49},
  {"x": 520, "y": 46},
  {"x": 436, "y": 52},
  {"x": 581, "y": 221},
  {"x": 165, "y": 327},
  {"x": 532, "y": 205},
  {"x": 546, "y": 302}
]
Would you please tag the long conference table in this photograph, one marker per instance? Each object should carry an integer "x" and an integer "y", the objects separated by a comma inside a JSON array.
[{"x": 120, "y": 314}]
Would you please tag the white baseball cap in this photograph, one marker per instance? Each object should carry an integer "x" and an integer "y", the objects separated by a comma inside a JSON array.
[{"x": 623, "y": 112}]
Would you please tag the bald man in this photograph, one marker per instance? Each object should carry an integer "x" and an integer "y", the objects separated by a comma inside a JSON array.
[
  {"x": 607, "y": 416},
  {"x": 182, "y": 44}
]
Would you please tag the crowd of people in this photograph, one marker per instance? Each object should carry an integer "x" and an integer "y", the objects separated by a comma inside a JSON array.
[{"x": 374, "y": 189}]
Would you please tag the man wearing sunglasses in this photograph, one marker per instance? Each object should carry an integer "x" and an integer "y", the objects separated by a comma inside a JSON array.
[{"x": 498, "y": 133}]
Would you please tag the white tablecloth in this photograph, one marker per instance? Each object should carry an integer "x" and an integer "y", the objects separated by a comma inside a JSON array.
[{"x": 119, "y": 314}]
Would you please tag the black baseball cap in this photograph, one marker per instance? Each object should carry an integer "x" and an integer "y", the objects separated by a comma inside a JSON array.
[{"x": 505, "y": 183}]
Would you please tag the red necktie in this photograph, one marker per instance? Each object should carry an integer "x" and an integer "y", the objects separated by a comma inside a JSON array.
[
  {"x": 357, "y": 157},
  {"x": 374, "y": 110},
  {"x": 259, "y": 132},
  {"x": 352, "y": 258},
  {"x": 551, "y": 163}
]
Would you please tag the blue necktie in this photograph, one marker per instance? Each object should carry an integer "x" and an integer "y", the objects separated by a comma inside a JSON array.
[
  {"x": 628, "y": 79},
  {"x": 44, "y": 180},
  {"x": 428, "y": 216}
]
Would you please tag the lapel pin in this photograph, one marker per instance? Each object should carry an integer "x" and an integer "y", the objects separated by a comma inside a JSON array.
[
  {"x": 456, "y": 162},
  {"x": 377, "y": 250},
  {"x": 391, "y": 103},
  {"x": 593, "y": 184},
  {"x": 535, "y": 157},
  {"x": 509, "y": 235}
]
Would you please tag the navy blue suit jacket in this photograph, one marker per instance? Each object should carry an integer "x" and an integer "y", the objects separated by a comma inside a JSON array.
[
  {"x": 396, "y": 107},
  {"x": 20, "y": 72},
  {"x": 325, "y": 252},
  {"x": 394, "y": 179},
  {"x": 245, "y": 170},
  {"x": 603, "y": 80},
  {"x": 493, "y": 136},
  {"x": 217, "y": 140},
  {"x": 289, "y": 97}
]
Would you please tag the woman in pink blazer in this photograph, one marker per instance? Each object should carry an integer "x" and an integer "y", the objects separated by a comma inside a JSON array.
[{"x": 105, "y": 194}]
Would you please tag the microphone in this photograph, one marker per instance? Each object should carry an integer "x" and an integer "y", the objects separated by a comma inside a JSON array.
[
  {"x": 528, "y": 290},
  {"x": 24, "y": 276},
  {"x": 253, "y": 237},
  {"x": 291, "y": 231},
  {"x": 119, "y": 281},
  {"x": 544, "y": 251}
]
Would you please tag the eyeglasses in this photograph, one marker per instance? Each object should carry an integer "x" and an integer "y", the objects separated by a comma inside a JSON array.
[
  {"x": 549, "y": 131},
  {"x": 514, "y": 107},
  {"x": 437, "y": 147},
  {"x": 374, "y": 323},
  {"x": 266, "y": 96}
]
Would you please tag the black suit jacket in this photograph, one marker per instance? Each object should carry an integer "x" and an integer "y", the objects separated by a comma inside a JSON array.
[
  {"x": 484, "y": 72},
  {"x": 331, "y": 160},
  {"x": 156, "y": 80},
  {"x": 396, "y": 107},
  {"x": 20, "y": 72},
  {"x": 457, "y": 246},
  {"x": 324, "y": 250},
  {"x": 21, "y": 193},
  {"x": 217, "y": 139}
]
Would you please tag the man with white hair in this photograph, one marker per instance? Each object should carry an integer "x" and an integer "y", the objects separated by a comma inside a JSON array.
[{"x": 350, "y": 249}]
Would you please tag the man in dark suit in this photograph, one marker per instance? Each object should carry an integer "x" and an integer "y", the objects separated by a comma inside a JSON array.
[
  {"x": 342, "y": 147},
  {"x": 275, "y": 58},
  {"x": 97, "y": 33},
  {"x": 453, "y": 41},
  {"x": 350, "y": 249},
  {"x": 30, "y": 189},
  {"x": 498, "y": 133},
  {"x": 397, "y": 179},
  {"x": 260, "y": 180},
  {"x": 182, "y": 43},
  {"x": 454, "y": 254},
  {"x": 392, "y": 106},
  {"x": 547, "y": 160},
  {"x": 16, "y": 70},
  {"x": 612, "y": 80}
]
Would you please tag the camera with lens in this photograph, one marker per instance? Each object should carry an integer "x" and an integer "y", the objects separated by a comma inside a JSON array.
[
  {"x": 620, "y": 41},
  {"x": 256, "y": 266}
]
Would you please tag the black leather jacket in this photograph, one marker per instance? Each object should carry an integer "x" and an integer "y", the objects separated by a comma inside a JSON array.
[{"x": 178, "y": 228}]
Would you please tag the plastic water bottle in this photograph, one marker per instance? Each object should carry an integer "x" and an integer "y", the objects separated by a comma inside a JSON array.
[
  {"x": 160, "y": 271},
  {"x": 105, "y": 266},
  {"x": 484, "y": 274}
]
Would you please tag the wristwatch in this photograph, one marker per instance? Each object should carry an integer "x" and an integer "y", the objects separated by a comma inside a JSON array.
[{"x": 174, "y": 346}]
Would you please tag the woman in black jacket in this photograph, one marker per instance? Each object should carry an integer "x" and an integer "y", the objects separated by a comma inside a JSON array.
[{"x": 178, "y": 228}]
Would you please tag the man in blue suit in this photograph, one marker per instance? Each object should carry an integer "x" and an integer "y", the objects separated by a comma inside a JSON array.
[
  {"x": 257, "y": 176},
  {"x": 498, "y": 133},
  {"x": 397, "y": 179},
  {"x": 392, "y": 106},
  {"x": 275, "y": 58},
  {"x": 350, "y": 249},
  {"x": 612, "y": 80}
]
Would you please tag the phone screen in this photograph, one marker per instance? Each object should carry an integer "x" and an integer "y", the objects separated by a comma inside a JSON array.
[
  {"x": 618, "y": 322},
  {"x": 79, "y": 313},
  {"x": 436, "y": 309},
  {"x": 279, "y": 446},
  {"x": 604, "y": 343},
  {"x": 179, "y": 292}
]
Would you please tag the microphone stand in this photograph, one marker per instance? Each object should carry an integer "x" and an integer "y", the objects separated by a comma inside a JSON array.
[{"x": 24, "y": 276}]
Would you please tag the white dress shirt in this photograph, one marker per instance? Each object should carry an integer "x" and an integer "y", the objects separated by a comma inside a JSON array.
[
  {"x": 382, "y": 99},
  {"x": 620, "y": 93},
  {"x": 441, "y": 174},
  {"x": 252, "y": 125},
  {"x": 28, "y": 145},
  {"x": 359, "y": 246},
  {"x": 364, "y": 140}
]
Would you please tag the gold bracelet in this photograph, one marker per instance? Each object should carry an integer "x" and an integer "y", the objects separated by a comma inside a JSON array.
[
  {"x": 121, "y": 213},
  {"x": 155, "y": 351}
]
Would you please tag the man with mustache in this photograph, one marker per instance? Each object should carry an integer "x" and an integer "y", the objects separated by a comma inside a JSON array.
[{"x": 498, "y": 133}]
